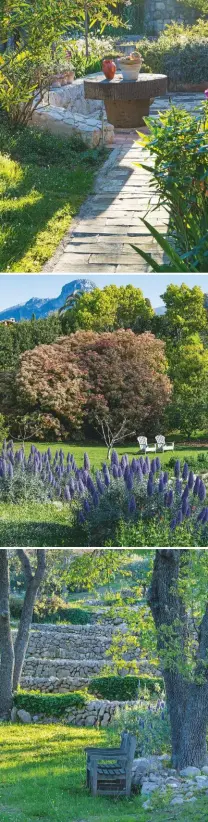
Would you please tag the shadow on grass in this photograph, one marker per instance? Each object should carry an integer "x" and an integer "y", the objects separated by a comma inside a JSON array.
[{"x": 38, "y": 534}]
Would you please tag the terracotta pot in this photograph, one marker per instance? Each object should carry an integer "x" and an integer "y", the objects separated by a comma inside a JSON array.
[
  {"x": 63, "y": 79},
  {"x": 109, "y": 69}
]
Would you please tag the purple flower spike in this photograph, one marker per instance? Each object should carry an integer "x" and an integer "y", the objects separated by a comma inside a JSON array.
[
  {"x": 173, "y": 524},
  {"x": 81, "y": 486},
  {"x": 126, "y": 472},
  {"x": 191, "y": 480},
  {"x": 184, "y": 506},
  {"x": 123, "y": 462},
  {"x": 202, "y": 491},
  {"x": 153, "y": 466},
  {"x": 100, "y": 485},
  {"x": 95, "y": 499},
  {"x": 67, "y": 494},
  {"x": 132, "y": 505},
  {"x": 129, "y": 482},
  {"x": 144, "y": 468},
  {"x": 120, "y": 472},
  {"x": 179, "y": 517},
  {"x": 165, "y": 477},
  {"x": 158, "y": 464},
  {"x": 86, "y": 462},
  {"x": 188, "y": 511},
  {"x": 114, "y": 458},
  {"x": 170, "y": 498},
  {"x": 196, "y": 486},
  {"x": 161, "y": 486},
  {"x": 200, "y": 515},
  {"x": 151, "y": 476},
  {"x": 49, "y": 453},
  {"x": 185, "y": 471},
  {"x": 185, "y": 492},
  {"x": 177, "y": 468},
  {"x": 115, "y": 471},
  {"x": 147, "y": 463},
  {"x": 141, "y": 460},
  {"x": 107, "y": 479},
  {"x": 149, "y": 488},
  {"x": 10, "y": 471},
  {"x": 139, "y": 473},
  {"x": 134, "y": 465}
]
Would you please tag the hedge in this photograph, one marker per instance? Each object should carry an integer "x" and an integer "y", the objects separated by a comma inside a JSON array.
[
  {"x": 181, "y": 53},
  {"x": 36, "y": 702},
  {"x": 123, "y": 688},
  {"x": 52, "y": 610}
]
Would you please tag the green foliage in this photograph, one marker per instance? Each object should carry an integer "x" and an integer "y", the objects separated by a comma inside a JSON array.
[
  {"x": 114, "y": 687},
  {"x": 180, "y": 178},
  {"x": 54, "y": 609},
  {"x": 47, "y": 704},
  {"x": 150, "y": 726},
  {"x": 3, "y": 426},
  {"x": 97, "y": 568},
  {"x": 109, "y": 309},
  {"x": 99, "y": 47},
  {"x": 16, "y": 605},
  {"x": 124, "y": 687},
  {"x": 181, "y": 52}
]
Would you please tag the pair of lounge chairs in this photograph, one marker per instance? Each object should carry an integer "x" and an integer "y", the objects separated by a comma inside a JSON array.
[{"x": 160, "y": 444}]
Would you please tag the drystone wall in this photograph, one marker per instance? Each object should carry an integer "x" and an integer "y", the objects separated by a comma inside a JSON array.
[{"x": 64, "y": 658}]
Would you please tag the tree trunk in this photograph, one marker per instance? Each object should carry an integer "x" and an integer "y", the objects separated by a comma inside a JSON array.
[
  {"x": 33, "y": 584},
  {"x": 187, "y": 701},
  {"x": 6, "y": 644}
]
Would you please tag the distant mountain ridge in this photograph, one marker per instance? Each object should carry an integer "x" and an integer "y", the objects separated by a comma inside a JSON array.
[{"x": 42, "y": 307}]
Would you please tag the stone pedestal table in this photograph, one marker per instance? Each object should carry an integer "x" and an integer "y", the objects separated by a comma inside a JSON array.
[{"x": 127, "y": 102}]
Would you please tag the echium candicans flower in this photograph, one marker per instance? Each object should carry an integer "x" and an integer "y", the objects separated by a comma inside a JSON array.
[
  {"x": 129, "y": 482},
  {"x": 134, "y": 465},
  {"x": 115, "y": 471},
  {"x": 123, "y": 461},
  {"x": 114, "y": 458},
  {"x": 153, "y": 466},
  {"x": 190, "y": 480},
  {"x": 202, "y": 491},
  {"x": 86, "y": 506},
  {"x": 196, "y": 486},
  {"x": 149, "y": 488},
  {"x": 165, "y": 477},
  {"x": 95, "y": 499},
  {"x": 178, "y": 486},
  {"x": 100, "y": 486},
  {"x": 67, "y": 494},
  {"x": 158, "y": 463},
  {"x": 132, "y": 505},
  {"x": 120, "y": 473},
  {"x": 160, "y": 484},
  {"x": 10, "y": 471},
  {"x": 107, "y": 478}
]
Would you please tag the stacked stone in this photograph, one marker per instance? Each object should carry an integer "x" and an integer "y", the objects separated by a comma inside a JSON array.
[{"x": 65, "y": 111}]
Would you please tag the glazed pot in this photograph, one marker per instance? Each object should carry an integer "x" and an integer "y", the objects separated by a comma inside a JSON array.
[
  {"x": 109, "y": 69},
  {"x": 130, "y": 68}
]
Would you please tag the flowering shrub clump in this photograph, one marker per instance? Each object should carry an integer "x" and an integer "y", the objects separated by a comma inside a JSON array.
[{"x": 149, "y": 723}]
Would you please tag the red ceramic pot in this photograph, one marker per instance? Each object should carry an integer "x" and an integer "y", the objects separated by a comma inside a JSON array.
[{"x": 109, "y": 69}]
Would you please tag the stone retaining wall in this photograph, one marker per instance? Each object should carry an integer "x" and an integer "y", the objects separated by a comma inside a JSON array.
[{"x": 65, "y": 111}]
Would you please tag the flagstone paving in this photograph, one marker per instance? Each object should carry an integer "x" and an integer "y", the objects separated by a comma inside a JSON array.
[{"x": 111, "y": 218}]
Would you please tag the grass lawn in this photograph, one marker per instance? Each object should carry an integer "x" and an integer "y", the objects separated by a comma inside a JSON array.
[
  {"x": 42, "y": 778},
  {"x": 48, "y": 525},
  {"x": 43, "y": 181}
]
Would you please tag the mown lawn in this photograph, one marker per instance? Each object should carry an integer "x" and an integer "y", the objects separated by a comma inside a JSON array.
[
  {"x": 43, "y": 181},
  {"x": 98, "y": 453},
  {"x": 42, "y": 778}
]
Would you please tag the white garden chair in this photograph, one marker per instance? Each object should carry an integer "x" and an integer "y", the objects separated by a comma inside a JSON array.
[
  {"x": 143, "y": 445},
  {"x": 161, "y": 444}
]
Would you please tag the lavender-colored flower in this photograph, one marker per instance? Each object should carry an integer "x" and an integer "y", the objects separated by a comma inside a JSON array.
[
  {"x": 114, "y": 458},
  {"x": 107, "y": 478},
  {"x": 185, "y": 471},
  {"x": 191, "y": 480},
  {"x": 133, "y": 465},
  {"x": 67, "y": 494},
  {"x": 147, "y": 463},
  {"x": 202, "y": 491},
  {"x": 123, "y": 462},
  {"x": 184, "y": 506},
  {"x": 149, "y": 488},
  {"x": 84, "y": 476},
  {"x": 153, "y": 466},
  {"x": 115, "y": 471},
  {"x": 177, "y": 468},
  {"x": 72, "y": 486},
  {"x": 81, "y": 486},
  {"x": 196, "y": 486},
  {"x": 151, "y": 476},
  {"x": 170, "y": 498},
  {"x": 132, "y": 505},
  {"x": 120, "y": 473},
  {"x": 173, "y": 524},
  {"x": 144, "y": 469},
  {"x": 185, "y": 492},
  {"x": 86, "y": 462},
  {"x": 49, "y": 453},
  {"x": 95, "y": 499},
  {"x": 141, "y": 460},
  {"x": 179, "y": 518},
  {"x": 188, "y": 511},
  {"x": 165, "y": 477},
  {"x": 158, "y": 464},
  {"x": 139, "y": 473},
  {"x": 126, "y": 472},
  {"x": 129, "y": 482},
  {"x": 100, "y": 485}
]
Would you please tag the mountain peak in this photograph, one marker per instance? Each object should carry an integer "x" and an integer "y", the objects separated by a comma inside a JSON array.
[{"x": 42, "y": 307}]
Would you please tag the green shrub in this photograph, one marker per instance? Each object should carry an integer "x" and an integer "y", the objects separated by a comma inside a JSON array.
[
  {"x": 48, "y": 704},
  {"x": 54, "y": 609},
  {"x": 115, "y": 687},
  {"x": 16, "y": 604},
  {"x": 150, "y": 725},
  {"x": 181, "y": 52}
]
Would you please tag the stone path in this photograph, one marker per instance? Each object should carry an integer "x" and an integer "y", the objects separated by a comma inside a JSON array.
[{"x": 100, "y": 238}]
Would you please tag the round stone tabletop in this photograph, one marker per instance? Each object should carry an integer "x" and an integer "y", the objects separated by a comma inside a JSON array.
[{"x": 147, "y": 86}]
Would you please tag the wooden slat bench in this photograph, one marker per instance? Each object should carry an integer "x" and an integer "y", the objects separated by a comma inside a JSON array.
[{"x": 109, "y": 770}]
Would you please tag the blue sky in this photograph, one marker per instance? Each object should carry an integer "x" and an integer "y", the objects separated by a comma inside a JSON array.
[{"x": 18, "y": 288}]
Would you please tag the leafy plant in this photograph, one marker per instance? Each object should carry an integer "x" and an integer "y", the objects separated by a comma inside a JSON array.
[
  {"x": 47, "y": 704},
  {"x": 180, "y": 51},
  {"x": 150, "y": 725},
  {"x": 115, "y": 687}
]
